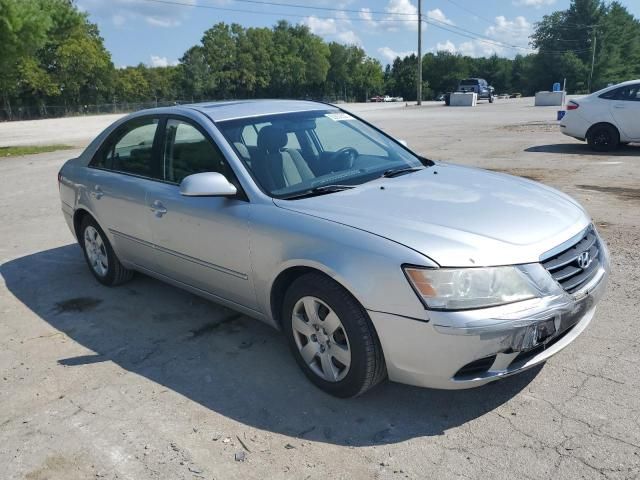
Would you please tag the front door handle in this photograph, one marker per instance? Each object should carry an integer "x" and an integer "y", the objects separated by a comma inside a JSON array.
[
  {"x": 158, "y": 208},
  {"x": 97, "y": 192},
  {"x": 619, "y": 106}
]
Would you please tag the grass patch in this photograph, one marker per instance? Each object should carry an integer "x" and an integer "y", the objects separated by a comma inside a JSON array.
[{"x": 30, "y": 150}]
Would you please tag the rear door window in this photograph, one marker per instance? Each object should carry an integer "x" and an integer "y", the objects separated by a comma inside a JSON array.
[
  {"x": 630, "y": 93},
  {"x": 130, "y": 149}
]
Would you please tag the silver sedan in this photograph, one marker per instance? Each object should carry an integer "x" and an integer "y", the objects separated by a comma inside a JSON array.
[{"x": 374, "y": 262}]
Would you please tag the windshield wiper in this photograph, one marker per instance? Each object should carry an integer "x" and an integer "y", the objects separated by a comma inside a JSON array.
[
  {"x": 394, "y": 172},
  {"x": 321, "y": 190}
]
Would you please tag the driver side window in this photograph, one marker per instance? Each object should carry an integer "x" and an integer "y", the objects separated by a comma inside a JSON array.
[{"x": 187, "y": 151}]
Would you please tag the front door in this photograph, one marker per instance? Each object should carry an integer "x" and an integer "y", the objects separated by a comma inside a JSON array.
[{"x": 200, "y": 241}]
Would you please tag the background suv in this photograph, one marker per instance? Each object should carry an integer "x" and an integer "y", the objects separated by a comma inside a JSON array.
[{"x": 478, "y": 85}]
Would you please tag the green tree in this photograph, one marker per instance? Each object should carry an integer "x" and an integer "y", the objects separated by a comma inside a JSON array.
[
  {"x": 23, "y": 29},
  {"x": 193, "y": 74}
]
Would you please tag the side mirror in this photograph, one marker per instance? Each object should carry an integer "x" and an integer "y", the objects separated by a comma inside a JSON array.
[
  {"x": 403, "y": 142},
  {"x": 206, "y": 184}
]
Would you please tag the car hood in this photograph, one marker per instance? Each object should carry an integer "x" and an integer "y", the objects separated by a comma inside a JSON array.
[{"x": 455, "y": 215}]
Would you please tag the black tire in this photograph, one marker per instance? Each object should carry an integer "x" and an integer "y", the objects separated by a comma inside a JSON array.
[
  {"x": 116, "y": 273},
  {"x": 603, "y": 138},
  {"x": 367, "y": 367},
  {"x": 490, "y": 98}
]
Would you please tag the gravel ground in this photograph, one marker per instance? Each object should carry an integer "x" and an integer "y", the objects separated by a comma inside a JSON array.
[{"x": 146, "y": 381}]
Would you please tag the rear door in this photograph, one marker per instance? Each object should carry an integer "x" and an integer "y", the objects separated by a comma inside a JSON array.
[
  {"x": 624, "y": 104},
  {"x": 117, "y": 179},
  {"x": 200, "y": 241}
]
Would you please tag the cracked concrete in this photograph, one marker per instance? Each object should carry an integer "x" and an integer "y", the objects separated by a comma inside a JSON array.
[{"x": 148, "y": 382}]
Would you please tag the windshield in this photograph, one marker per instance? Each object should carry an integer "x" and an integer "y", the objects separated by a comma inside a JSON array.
[
  {"x": 292, "y": 153},
  {"x": 469, "y": 82}
]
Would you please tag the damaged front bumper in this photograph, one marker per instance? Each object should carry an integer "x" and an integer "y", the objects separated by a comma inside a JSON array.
[{"x": 464, "y": 349}]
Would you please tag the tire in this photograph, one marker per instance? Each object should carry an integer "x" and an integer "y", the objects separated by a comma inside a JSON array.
[
  {"x": 603, "y": 138},
  {"x": 490, "y": 98},
  {"x": 356, "y": 334},
  {"x": 99, "y": 255}
]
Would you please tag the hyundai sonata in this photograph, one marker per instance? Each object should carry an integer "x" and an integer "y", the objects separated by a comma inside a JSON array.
[{"x": 374, "y": 261}]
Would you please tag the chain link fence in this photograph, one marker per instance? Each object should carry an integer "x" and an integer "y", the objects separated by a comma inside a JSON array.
[{"x": 34, "y": 112}]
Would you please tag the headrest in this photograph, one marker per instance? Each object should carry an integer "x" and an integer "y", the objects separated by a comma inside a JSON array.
[
  {"x": 271, "y": 139},
  {"x": 242, "y": 150}
]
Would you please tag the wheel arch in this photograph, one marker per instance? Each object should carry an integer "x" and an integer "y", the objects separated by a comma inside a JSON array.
[
  {"x": 289, "y": 274},
  {"x": 78, "y": 216},
  {"x": 603, "y": 124}
]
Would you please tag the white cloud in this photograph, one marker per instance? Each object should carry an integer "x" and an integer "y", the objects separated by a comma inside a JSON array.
[
  {"x": 156, "y": 14},
  {"x": 338, "y": 28},
  {"x": 157, "y": 61},
  {"x": 514, "y": 31},
  {"x": 533, "y": 3},
  {"x": 321, "y": 26},
  {"x": 390, "y": 55},
  {"x": 399, "y": 14},
  {"x": 447, "y": 46},
  {"x": 437, "y": 15},
  {"x": 349, "y": 37},
  {"x": 503, "y": 31}
]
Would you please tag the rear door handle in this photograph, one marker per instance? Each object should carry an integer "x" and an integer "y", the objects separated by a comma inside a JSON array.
[
  {"x": 619, "y": 106},
  {"x": 97, "y": 192},
  {"x": 158, "y": 208}
]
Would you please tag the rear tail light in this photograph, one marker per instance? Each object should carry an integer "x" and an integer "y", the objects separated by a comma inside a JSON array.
[{"x": 572, "y": 105}]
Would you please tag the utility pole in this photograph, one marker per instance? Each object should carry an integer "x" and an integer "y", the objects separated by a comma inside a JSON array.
[
  {"x": 593, "y": 57},
  {"x": 419, "y": 52}
]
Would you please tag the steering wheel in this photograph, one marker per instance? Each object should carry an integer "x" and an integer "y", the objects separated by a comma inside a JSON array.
[{"x": 346, "y": 154}]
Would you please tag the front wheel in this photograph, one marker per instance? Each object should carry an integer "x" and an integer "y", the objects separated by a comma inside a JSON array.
[
  {"x": 490, "y": 98},
  {"x": 332, "y": 337},
  {"x": 102, "y": 260},
  {"x": 603, "y": 138}
]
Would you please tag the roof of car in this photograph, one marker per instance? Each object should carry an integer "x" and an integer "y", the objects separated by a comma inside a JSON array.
[{"x": 233, "y": 109}]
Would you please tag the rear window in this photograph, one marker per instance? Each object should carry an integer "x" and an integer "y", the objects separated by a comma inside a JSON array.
[{"x": 469, "y": 82}]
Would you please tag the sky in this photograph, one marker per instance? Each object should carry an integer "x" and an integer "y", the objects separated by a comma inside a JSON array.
[{"x": 158, "y": 32}]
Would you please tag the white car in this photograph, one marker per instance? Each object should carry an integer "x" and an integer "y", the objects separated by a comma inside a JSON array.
[{"x": 607, "y": 118}]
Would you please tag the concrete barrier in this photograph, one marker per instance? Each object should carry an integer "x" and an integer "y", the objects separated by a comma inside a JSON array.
[
  {"x": 463, "y": 99},
  {"x": 548, "y": 99}
]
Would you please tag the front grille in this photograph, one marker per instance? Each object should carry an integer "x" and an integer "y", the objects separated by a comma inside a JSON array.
[{"x": 566, "y": 267}]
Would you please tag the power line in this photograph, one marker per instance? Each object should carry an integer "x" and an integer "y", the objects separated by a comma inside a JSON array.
[
  {"x": 283, "y": 14},
  {"x": 470, "y": 11},
  {"x": 329, "y": 9},
  {"x": 429, "y": 20},
  {"x": 504, "y": 45}
]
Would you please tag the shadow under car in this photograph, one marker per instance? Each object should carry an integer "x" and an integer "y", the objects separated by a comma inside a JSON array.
[{"x": 225, "y": 361}]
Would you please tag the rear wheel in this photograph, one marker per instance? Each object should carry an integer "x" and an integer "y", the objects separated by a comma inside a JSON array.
[
  {"x": 603, "y": 138},
  {"x": 331, "y": 337},
  {"x": 102, "y": 260}
]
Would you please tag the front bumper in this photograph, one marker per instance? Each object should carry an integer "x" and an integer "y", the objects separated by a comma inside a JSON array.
[{"x": 456, "y": 350}]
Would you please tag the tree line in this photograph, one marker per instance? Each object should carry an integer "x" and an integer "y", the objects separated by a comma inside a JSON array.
[{"x": 53, "y": 55}]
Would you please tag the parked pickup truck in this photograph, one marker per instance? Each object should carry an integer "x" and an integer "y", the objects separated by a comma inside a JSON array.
[{"x": 478, "y": 85}]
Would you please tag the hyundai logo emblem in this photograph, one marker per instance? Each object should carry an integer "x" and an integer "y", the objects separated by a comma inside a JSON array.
[{"x": 584, "y": 260}]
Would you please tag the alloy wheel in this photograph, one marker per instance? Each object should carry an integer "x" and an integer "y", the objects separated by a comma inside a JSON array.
[
  {"x": 321, "y": 339},
  {"x": 96, "y": 251}
]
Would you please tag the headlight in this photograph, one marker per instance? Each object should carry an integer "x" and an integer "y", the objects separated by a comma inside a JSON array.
[{"x": 465, "y": 288}]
